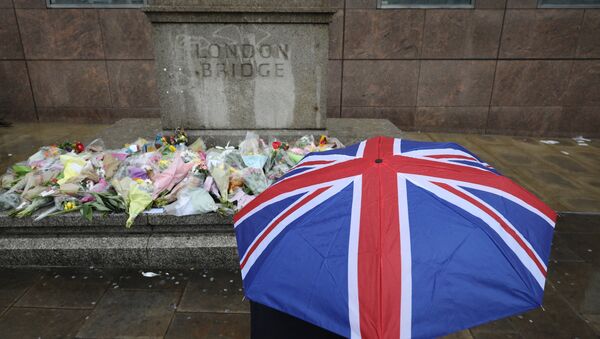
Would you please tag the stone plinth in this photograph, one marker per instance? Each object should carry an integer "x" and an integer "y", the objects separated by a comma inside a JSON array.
[{"x": 237, "y": 65}]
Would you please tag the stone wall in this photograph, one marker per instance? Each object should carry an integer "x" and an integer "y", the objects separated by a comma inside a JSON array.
[
  {"x": 504, "y": 67},
  {"x": 82, "y": 65}
]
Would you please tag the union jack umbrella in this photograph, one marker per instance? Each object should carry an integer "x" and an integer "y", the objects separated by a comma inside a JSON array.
[{"x": 395, "y": 238}]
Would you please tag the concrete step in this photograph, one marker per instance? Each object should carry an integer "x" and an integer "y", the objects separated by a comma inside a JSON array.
[
  {"x": 153, "y": 241},
  {"x": 206, "y": 241}
]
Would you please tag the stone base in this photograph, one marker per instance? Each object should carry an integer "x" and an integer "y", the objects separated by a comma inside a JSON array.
[
  {"x": 348, "y": 131},
  {"x": 235, "y": 136},
  {"x": 205, "y": 241}
]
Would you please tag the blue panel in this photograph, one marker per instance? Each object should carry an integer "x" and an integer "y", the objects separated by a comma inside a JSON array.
[
  {"x": 411, "y": 145},
  {"x": 535, "y": 229},
  {"x": 462, "y": 273},
  {"x": 304, "y": 271},
  {"x": 248, "y": 230}
]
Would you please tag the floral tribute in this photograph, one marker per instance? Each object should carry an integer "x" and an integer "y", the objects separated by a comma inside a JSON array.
[{"x": 168, "y": 175}]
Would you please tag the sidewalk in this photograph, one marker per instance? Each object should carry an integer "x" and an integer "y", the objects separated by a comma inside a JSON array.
[{"x": 193, "y": 303}]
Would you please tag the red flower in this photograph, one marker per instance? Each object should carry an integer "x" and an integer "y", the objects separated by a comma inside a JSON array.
[
  {"x": 276, "y": 144},
  {"x": 79, "y": 147}
]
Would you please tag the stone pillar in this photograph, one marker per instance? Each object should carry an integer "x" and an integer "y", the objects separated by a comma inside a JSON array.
[{"x": 241, "y": 65}]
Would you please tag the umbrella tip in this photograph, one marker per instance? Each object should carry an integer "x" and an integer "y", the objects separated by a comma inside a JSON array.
[{"x": 378, "y": 161}]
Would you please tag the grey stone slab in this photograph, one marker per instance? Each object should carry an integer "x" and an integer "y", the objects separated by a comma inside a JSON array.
[
  {"x": 201, "y": 219},
  {"x": 348, "y": 130},
  {"x": 215, "y": 291},
  {"x": 14, "y": 283},
  {"x": 66, "y": 290},
  {"x": 209, "y": 325},
  {"x": 19, "y": 323},
  {"x": 73, "y": 250},
  {"x": 131, "y": 313},
  {"x": 71, "y": 219},
  {"x": 351, "y": 131},
  {"x": 241, "y": 76},
  {"x": 126, "y": 130},
  {"x": 578, "y": 223},
  {"x": 561, "y": 252},
  {"x": 234, "y": 137},
  {"x": 192, "y": 250},
  {"x": 586, "y": 246}
]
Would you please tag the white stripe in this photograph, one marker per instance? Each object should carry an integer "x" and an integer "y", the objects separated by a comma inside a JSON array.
[
  {"x": 361, "y": 149},
  {"x": 353, "y": 305},
  {"x": 447, "y": 161},
  {"x": 491, "y": 222},
  {"x": 511, "y": 226},
  {"x": 287, "y": 195},
  {"x": 325, "y": 157},
  {"x": 406, "y": 261},
  {"x": 397, "y": 146},
  {"x": 437, "y": 151},
  {"x": 311, "y": 168},
  {"x": 492, "y": 190},
  {"x": 285, "y": 222}
]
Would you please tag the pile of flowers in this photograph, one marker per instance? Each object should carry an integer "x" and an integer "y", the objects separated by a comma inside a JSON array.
[{"x": 168, "y": 173}]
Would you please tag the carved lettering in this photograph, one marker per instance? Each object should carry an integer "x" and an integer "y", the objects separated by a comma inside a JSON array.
[{"x": 240, "y": 60}]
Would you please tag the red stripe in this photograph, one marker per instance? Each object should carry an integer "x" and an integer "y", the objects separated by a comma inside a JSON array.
[
  {"x": 372, "y": 148},
  {"x": 301, "y": 203},
  {"x": 504, "y": 225},
  {"x": 379, "y": 281},
  {"x": 451, "y": 156},
  {"x": 420, "y": 166},
  {"x": 316, "y": 162}
]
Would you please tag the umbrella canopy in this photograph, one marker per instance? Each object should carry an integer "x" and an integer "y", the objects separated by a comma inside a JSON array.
[{"x": 395, "y": 238}]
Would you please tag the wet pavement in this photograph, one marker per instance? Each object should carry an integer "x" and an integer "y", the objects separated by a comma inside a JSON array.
[{"x": 195, "y": 303}]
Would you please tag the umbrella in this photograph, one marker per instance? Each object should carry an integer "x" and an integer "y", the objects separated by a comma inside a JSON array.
[{"x": 395, "y": 238}]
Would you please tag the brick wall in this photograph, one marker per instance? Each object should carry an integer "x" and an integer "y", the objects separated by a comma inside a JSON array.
[{"x": 504, "y": 67}]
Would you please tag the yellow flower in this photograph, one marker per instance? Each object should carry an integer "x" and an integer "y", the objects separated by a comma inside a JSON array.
[
  {"x": 172, "y": 148},
  {"x": 69, "y": 206},
  {"x": 139, "y": 180}
]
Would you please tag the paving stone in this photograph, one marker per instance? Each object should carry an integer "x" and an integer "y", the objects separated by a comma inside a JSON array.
[
  {"x": 555, "y": 320},
  {"x": 459, "y": 335},
  {"x": 14, "y": 282},
  {"x": 578, "y": 223},
  {"x": 594, "y": 321},
  {"x": 579, "y": 284},
  {"x": 580, "y": 203},
  {"x": 132, "y": 279},
  {"x": 586, "y": 246},
  {"x": 561, "y": 251},
  {"x": 65, "y": 288},
  {"x": 215, "y": 291},
  {"x": 502, "y": 326},
  {"x": 496, "y": 335},
  {"x": 131, "y": 313},
  {"x": 209, "y": 325},
  {"x": 19, "y": 323}
]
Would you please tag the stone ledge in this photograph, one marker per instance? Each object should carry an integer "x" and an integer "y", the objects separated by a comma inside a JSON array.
[{"x": 199, "y": 250}]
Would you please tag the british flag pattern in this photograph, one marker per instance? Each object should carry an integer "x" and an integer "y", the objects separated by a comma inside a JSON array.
[{"x": 393, "y": 238}]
